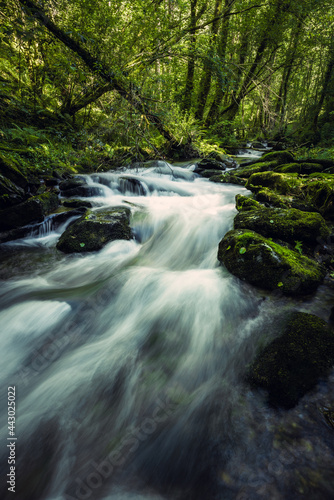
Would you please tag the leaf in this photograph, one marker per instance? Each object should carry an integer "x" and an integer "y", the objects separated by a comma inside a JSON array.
[
  {"x": 280, "y": 284},
  {"x": 271, "y": 221},
  {"x": 82, "y": 245},
  {"x": 228, "y": 247},
  {"x": 242, "y": 250}
]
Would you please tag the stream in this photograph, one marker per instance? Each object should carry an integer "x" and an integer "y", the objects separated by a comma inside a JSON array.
[{"x": 129, "y": 362}]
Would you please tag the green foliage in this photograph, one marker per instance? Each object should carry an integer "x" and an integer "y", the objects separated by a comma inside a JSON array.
[{"x": 299, "y": 247}]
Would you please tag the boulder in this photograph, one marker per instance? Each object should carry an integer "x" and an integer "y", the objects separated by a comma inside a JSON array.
[
  {"x": 293, "y": 363},
  {"x": 209, "y": 164},
  {"x": 95, "y": 229},
  {"x": 10, "y": 193},
  {"x": 209, "y": 173},
  {"x": 263, "y": 263},
  {"x": 244, "y": 203},
  {"x": 9, "y": 170},
  {"x": 300, "y": 168},
  {"x": 30, "y": 211},
  {"x": 281, "y": 157},
  {"x": 74, "y": 203},
  {"x": 72, "y": 184},
  {"x": 285, "y": 224},
  {"x": 281, "y": 183}
]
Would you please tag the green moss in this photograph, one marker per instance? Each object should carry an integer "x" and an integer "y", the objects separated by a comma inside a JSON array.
[
  {"x": 244, "y": 203},
  {"x": 281, "y": 183},
  {"x": 288, "y": 225},
  {"x": 280, "y": 157},
  {"x": 267, "y": 264},
  {"x": 266, "y": 195},
  {"x": 300, "y": 168}
]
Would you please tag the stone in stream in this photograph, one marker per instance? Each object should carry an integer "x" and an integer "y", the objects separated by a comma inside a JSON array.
[
  {"x": 76, "y": 203},
  {"x": 287, "y": 225},
  {"x": 263, "y": 263},
  {"x": 30, "y": 211},
  {"x": 209, "y": 164},
  {"x": 132, "y": 185},
  {"x": 293, "y": 363},
  {"x": 95, "y": 229}
]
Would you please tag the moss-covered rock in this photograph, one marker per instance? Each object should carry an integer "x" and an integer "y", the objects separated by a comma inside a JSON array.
[
  {"x": 263, "y": 263},
  {"x": 228, "y": 178},
  {"x": 209, "y": 164},
  {"x": 244, "y": 203},
  {"x": 30, "y": 211},
  {"x": 281, "y": 183},
  {"x": 246, "y": 171},
  {"x": 280, "y": 157},
  {"x": 299, "y": 168},
  {"x": 266, "y": 195},
  {"x": 95, "y": 229},
  {"x": 209, "y": 173},
  {"x": 288, "y": 225},
  {"x": 292, "y": 364}
]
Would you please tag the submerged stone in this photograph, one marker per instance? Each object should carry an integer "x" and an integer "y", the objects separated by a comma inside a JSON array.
[
  {"x": 263, "y": 263},
  {"x": 293, "y": 363},
  {"x": 95, "y": 229},
  {"x": 288, "y": 225}
]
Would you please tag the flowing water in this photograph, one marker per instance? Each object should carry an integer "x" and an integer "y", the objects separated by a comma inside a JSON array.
[{"x": 129, "y": 362}]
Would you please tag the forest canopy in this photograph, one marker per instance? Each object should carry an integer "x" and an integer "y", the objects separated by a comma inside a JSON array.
[{"x": 147, "y": 73}]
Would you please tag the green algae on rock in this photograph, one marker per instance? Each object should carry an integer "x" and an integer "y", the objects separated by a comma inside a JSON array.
[
  {"x": 292, "y": 364},
  {"x": 263, "y": 263},
  {"x": 95, "y": 229},
  {"x": 288, "y": 225}
]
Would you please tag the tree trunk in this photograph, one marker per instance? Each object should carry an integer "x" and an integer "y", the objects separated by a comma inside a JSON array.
[
  {"x": 98, "y": 67},
  {"x": 189, "y": 88}
]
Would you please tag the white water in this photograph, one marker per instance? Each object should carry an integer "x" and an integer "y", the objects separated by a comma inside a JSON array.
[{"x": 137, "y": 349}]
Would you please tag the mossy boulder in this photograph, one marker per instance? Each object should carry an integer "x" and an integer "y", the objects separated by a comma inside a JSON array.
[
  {"x": 266, "y": 195},
  {"x": 95, "y": 229},
  {"x": 263, "y": 263},
  {"x": 228, "y": 178},
  {"x": 244, "y": 203},
  {"x": 292, "y": 364},
  {"x": 287, "y": 225},
  {"x": 281, "y": 183},
  {"x": 30, "y": 211},
  {"x": 299, "y": 168},
  {"x": 280, "y": 157},
  {"x": 320, "y": 192},
  {"x": 247, "y": 170},
  {"x": 209, "y": 173},
  {"x": 76, "y": 203}
]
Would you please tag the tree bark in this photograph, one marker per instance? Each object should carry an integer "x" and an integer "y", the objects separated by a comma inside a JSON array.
[{"x": 98, "y": 67}]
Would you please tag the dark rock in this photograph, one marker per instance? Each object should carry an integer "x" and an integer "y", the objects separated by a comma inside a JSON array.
[
  {"x": 51, "y": 181},
  {"x": 131, "y": 185},
  {"x": 73, "y": 203},
  {"x": 265, "y": 264},
  {"x": 209, "y": 173},
  {"x": 85, "y": 191},
  {"x": 95, "y": 229},
  {"x": 293, "y": 363},
  {"x": 10, "y": 193},
  {"x": 287, "y": 225},
  {"x": 228, "y": 178},
  {"x": 71, "y": 184},
  {"x": 57, "y": 175},
  {"x": 32, "y": 210},
  {"x": 258, "y": 145},
  {"x": 209, "y": 164}
]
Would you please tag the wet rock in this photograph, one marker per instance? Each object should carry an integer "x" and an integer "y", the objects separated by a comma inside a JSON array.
[
  {"x": 71, "y": 184},
  {"x": 74, "y": 203},
  {"x": 10, "y": 193},
  {"x": 244, "y": 203},
  {"x": 209, "y": 173},
  {"x": 228, "y": 178},
  {"x": 209, "y": 164},
  {"x": 132, "y": 185},
  {"x": 287, "y": 225},
  {"x": 263, "y": 263},
  {"x": 281, "y": 183},
  {"x": 293, "y": 363},
  {"x": 9, "y": 170},
  {"x": 281, "y": 157},
  {"x": 95, "y": 229},
  {"x": 32, "y": 210}
]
